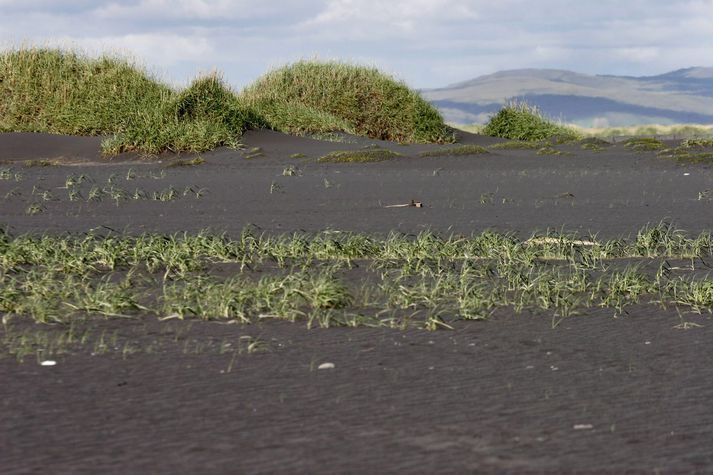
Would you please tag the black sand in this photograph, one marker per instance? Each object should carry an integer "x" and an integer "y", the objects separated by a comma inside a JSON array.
[{"x": 510, "y": 394}]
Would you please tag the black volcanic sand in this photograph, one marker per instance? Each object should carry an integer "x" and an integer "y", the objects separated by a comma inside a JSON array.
[{"x": 511, "y": 394}]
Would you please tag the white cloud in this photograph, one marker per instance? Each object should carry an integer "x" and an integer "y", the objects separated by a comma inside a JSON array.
[
  {"x": 427, "y": 42},
  {"x": 156, "y": 48},
  {"x": 159, "y": 10},
  {"x": 381, "y": 19},
  {"x": 642, "y": 55}
]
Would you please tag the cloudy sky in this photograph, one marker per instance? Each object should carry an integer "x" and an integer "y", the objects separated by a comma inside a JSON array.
[{"x": 427, "y": 43}]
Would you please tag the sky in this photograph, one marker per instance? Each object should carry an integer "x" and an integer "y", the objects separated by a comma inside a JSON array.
[{"x": 427, "y": 43}]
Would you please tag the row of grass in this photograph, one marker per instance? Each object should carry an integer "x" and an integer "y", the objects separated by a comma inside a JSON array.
[
  {"x": 400, "y": 280},
  {"x": 64, "y": 92},
  {"x": 184, "y": 252}
]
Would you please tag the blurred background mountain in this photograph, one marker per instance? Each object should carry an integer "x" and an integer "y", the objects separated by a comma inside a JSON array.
[{"x": 684, "y": 96}]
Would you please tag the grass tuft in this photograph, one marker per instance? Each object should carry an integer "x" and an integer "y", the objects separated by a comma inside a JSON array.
[
  {"x": 359, "y": 156},
  {"x": 321, "y": 97},
  {"x": 697, "y": 143},
  {"x": 517, "y": 145},
  {"x": 521, "y": 121},
  {"x": 644, "y": 144},
  {"x": 455, "y": 151}
]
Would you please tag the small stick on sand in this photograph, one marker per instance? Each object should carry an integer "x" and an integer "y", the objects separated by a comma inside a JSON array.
[{"x": 412, "y": 204}]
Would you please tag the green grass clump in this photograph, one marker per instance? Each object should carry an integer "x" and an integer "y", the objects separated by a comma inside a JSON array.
[
  {"x": 685, "y": 154},
  {"x": 50, "y": 90},
  {"x": 454, "y": 151},
  {"x": 44, "y": 90},
  {"x": 319, "y": 97},
  {"x": 516, "y": 145},
  {"x": 548, "y": 150},
  {"x": 521, "y": 121},
  {"x": 697, "y": 143},
  {"x": 644, "y": 144},
  {"x": 204, "y": 116},
  {"x": 359, "y": 156}
]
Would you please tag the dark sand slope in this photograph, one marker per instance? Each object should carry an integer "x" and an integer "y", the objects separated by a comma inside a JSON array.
[{"x": 509, "y": 394}]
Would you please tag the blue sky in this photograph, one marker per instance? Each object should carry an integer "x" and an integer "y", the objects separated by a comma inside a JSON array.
[{"x": 427, "y": 43}]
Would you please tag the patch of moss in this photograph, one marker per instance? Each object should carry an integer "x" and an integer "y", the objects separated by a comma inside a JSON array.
[
  {"x": 644, "y": 144},
  {"x": 359, "y": 156},
  {"x": 454, "y": 151},
  {"x": 516, "y": 145}
]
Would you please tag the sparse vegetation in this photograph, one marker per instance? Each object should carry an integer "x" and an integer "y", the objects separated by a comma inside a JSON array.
[
  {"x": 521, "y": 121},
  {"x": 187, "y": 163},
  {"x": 454, "y": 151},
  {"x": 644, "y": 144},
  {"x": 697, "y": 143},
  {"x": 359, "y": 156},
  {"x": 425, "y": 280},
  {"x": 517, "y": 145},
  {"x": 594, "y": 144},
  {"x": 549, "y": 150}
]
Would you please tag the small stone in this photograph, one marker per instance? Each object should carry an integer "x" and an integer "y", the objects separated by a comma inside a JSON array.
[
  {"x": 326, "y": 366},
  {"x": 48, "y": 363},
  {"x": 583, "y": 427}
]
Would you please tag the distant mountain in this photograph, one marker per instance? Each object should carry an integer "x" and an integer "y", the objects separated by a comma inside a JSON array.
[{"x": 682, "y": 96}]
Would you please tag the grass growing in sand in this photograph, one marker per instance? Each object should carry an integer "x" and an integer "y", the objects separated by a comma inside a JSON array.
[
  {"x": 358, "y": 156},
  {"x": 455, "y": 151},
  {"x": 644, "y": 144},
  {"x": 44, "y": 90},
  {"x": 316, "y": 97},
  {"x": 63, "y": 92},
  {"x": 521, "y": 121},
  {"x": 517, "y": 145},
  {"x": 336, "y": 279}
]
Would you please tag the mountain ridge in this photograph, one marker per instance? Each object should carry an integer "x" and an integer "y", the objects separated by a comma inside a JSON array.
[{"x": 680, "y": 96}]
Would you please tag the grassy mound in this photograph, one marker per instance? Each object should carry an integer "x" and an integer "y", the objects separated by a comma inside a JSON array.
[
  {"x": 48, "y": 90},
  {"x": 64, "y": 92},
  {"x": 317, "y": 97},
  {"x": 520, "y": 121},
  {"x": 202, "y": 117}
]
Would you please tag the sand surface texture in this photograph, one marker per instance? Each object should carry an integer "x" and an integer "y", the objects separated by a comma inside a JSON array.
[{"x": 510, "y": 394}]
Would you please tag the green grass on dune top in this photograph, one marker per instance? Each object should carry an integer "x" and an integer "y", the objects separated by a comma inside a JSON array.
[
  {"x": 64, "y": 92},
  {"x": 46, "y": 90},
  {"x": 521, "y": 121},
  {"x": 314, "y": 97}
]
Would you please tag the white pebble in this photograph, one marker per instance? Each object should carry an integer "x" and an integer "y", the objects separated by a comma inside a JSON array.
[
  {"x": 48, "y": 363},
  {"x": 326, "y": 366},
  {"x": 583, "y": 427}
]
